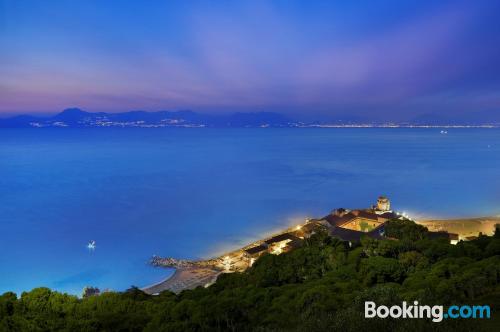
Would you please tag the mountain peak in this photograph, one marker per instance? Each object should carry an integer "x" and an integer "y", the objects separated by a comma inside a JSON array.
[
  {"x": 71, "y": 115},
  {"x": 73, "y": 111}
]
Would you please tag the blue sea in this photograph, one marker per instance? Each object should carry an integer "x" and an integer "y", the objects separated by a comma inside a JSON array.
[{"x": 193, "y": 193}]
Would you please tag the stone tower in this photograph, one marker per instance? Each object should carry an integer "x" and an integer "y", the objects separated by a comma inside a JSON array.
[{"x": 383, "y": 204}]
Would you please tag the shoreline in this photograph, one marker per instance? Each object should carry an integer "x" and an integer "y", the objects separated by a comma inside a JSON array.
[{"x": 189, "y": 277}]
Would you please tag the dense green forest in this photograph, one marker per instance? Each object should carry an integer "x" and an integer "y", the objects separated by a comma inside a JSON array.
[{"x": 321, "y": 286}]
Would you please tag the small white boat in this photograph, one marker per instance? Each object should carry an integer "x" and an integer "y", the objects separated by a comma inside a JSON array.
[{"x": 91, "y": 245}]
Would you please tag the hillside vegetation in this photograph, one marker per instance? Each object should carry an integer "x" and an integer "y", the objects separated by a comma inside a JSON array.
[{"x": 321, "y": 286}]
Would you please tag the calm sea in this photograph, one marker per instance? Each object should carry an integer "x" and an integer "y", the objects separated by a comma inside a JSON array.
[{"x": 192, "y": 193}]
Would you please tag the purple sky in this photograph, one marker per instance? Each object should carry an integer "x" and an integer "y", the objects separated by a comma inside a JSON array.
[{"x": 375, "y": 59}]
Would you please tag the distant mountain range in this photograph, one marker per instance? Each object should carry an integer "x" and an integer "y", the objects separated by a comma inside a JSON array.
[{"x": 75, "y": 117}]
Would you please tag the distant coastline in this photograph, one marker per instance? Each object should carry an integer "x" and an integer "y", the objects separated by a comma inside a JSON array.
[{"x": 77, "y": 118}]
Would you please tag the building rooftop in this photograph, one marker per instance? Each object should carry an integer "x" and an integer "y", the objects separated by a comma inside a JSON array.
[
  {"x": 256, "y": 249},
  {"x": 311, "y": 226},
  {"x": 365, "y": 214},
  {"x": 282, "y": 237},
  {"x": 355, "y": 236},
  {"x": 340, "y": 219}
]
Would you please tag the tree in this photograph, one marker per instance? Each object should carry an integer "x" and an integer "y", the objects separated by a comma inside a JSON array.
[{"x": 405, "y": 229}]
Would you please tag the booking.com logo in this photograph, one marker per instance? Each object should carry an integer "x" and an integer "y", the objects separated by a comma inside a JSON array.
[{"x": 436, "y": 312}]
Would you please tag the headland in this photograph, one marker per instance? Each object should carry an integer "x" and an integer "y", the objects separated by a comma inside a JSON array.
[{"x": 349, "y": 225}]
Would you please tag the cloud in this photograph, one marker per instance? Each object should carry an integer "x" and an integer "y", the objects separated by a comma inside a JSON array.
[
  {"x": 262, "y": 55},
  {"x": 387, "y": 68}
]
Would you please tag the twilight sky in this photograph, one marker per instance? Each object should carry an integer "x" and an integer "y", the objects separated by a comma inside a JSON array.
[{"x": 375, "y": 59}]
